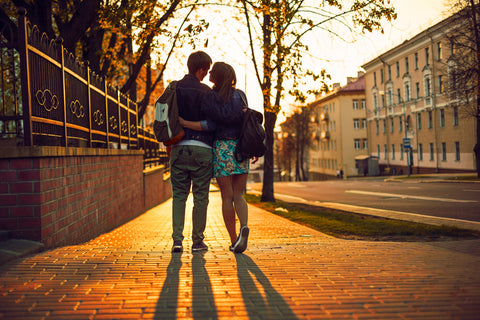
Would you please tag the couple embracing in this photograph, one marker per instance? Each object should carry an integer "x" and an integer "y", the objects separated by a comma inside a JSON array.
[{"x": 212, "y": 120}]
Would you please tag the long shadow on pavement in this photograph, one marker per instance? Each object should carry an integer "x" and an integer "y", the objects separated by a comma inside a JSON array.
[
  {"x": 203, "y": 302},
  {"x": 270, "y": 306},
  {"x": 168, "y": 301}
]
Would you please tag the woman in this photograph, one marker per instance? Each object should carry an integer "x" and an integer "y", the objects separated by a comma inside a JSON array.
[{"x": 225, "y": 107}]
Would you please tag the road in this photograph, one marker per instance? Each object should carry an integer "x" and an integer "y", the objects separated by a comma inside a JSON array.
[{"x": 450, "y": 200}]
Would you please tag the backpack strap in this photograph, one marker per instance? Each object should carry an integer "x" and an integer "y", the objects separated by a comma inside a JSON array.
[{"x": 244, "y": 98}]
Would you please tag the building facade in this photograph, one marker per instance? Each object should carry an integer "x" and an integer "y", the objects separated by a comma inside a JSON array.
[
  {"x": 414, "y": 124},
  {"x": 339, "y": 131}
]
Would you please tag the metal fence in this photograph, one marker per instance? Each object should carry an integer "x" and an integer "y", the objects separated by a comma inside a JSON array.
[{"x": 50, "y": 98}]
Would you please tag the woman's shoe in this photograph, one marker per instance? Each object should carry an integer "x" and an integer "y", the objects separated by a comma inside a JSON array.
[
  {"x": 232, "y": 247},
  {"x": 241, "y": 244}
]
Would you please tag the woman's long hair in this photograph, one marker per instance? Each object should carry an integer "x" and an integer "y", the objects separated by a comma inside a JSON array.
[{"x": 225, "y": 80}]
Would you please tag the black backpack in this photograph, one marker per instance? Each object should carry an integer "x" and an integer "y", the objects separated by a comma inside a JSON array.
[{"x": 251, "y": 142}]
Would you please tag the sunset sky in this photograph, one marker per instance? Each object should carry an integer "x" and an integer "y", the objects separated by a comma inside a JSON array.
[{"x": 228, "y": 42}]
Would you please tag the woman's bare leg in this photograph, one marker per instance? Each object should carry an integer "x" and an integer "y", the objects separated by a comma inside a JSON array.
[
  {"x": 228, "y": 210},
  {"x": 239, "y": 183}
]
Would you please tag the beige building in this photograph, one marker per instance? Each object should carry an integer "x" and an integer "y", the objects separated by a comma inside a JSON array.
[
  {"x": 340, "y": 131},
  {"x": 408, "y": 104}
]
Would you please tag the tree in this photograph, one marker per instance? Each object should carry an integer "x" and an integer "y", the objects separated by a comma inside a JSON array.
[
  {"x": 463, "y": 67},
  {"x": 283, "y": 25},
  {"x": 117, "y": 37},
  {"x": 296, "y": 142}
]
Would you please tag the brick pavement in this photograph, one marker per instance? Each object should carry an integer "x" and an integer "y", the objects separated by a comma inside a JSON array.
[{"x": 288, "y": 272}]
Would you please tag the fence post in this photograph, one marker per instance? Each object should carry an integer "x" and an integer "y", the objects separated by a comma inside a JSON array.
[
  {"x": 87, "y": 63},
  {"x": 106, "y": 113},
  {"x": 59, "y": 42},
  {"x": 25, "y": 77},
  {"x": 128, "y": 122},
  {"x": 119, "y": 120}
]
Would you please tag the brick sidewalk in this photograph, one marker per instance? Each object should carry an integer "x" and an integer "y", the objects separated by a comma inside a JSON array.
[{"x": 288, "y": 272}]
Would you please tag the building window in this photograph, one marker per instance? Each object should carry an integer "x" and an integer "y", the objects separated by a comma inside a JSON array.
[
  {"x": 365, "y": 144},
  {"x": 432, "y": 151},
  {"x": 427, "y": 57},
  {"x": 384, "y": 126},
  {"x": 364, "y": 123},
  {"x": 381, "y": 75},
  {"x": 415, "y": 58},
  {"x": 455, "y": 116},
  {"x": 389, "y": 97},
  {"x": 444, "y": 151},
  {"x": 357, "y": 144},
  {"x": 430, "y": 119},
  {"x": 389, "y": 70},
  {"x": 356, "y": 124},
  {"x": 439, "y": 51},
  {"x": 440, "y": 84},
  {"x": 417, "y": 89},
  {"x": 377, "y": 127},
  {"x": 457, "y": 151},
  {"x": 419, "y": 121},
  {"x": 400, "y": 124},
  {"x": 406, "y": 65},
  {"x": 375, "y": 102},
  {"x": 355, "y": 105},
  {"x": 383, "y": 101},
  {"x": 391, "y": 125},
  {"x": 452, "y": 82},
  {"x": 442, "y": 118},
  {"x": 385, "y": 155},
  {"x": 364, "y": 104},
  {"x": 393, "y": 152},
  {"x": 399, "y": 97},
  {"x": 378, "y": 151},
  {"x": 374, "y": 78},
  {"x": 427, "y": 86},
  {"x": 420, "y": 152},
  {"x": 401, "y": 151},
  {"x": 397, "y": 66}
]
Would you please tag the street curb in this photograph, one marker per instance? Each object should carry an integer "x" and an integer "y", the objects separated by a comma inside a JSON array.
[{"x": 431, "y": 181}]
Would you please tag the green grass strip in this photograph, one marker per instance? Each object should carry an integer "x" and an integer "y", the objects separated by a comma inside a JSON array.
[{"x": 348, "y": 225}]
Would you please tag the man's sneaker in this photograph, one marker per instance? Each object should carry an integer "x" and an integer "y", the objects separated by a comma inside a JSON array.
[
  {"x": 241, "y": 243},
  {"x": 177, "y": 246},
  {"x": 199, "y": 247}
]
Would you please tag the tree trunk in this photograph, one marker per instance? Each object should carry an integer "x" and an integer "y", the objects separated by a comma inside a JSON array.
[
  {"x": 270, "y": 117},
  {"x": 268, "y": 174},
  {"x": 477, "y": 145},
  {"x": 476, "y": 149}
]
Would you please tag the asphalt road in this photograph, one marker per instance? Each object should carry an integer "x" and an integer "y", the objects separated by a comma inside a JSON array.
[{"x": 451, "y": 200}]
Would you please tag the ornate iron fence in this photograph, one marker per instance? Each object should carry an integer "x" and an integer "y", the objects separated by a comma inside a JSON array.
[{"x": 50, "y": 98}]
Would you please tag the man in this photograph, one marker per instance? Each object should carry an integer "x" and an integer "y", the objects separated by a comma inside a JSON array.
[{"x": 191, "y": 159}]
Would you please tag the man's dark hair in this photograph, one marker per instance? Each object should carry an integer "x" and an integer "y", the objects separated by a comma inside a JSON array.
[{"x": 198, "y": 60}]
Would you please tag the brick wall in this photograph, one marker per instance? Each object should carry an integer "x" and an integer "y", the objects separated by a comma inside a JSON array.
[{"x": 63, "y": 196}]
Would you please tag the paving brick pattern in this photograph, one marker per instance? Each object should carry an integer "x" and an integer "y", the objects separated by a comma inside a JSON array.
[{"x": 288, "y": 272}]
